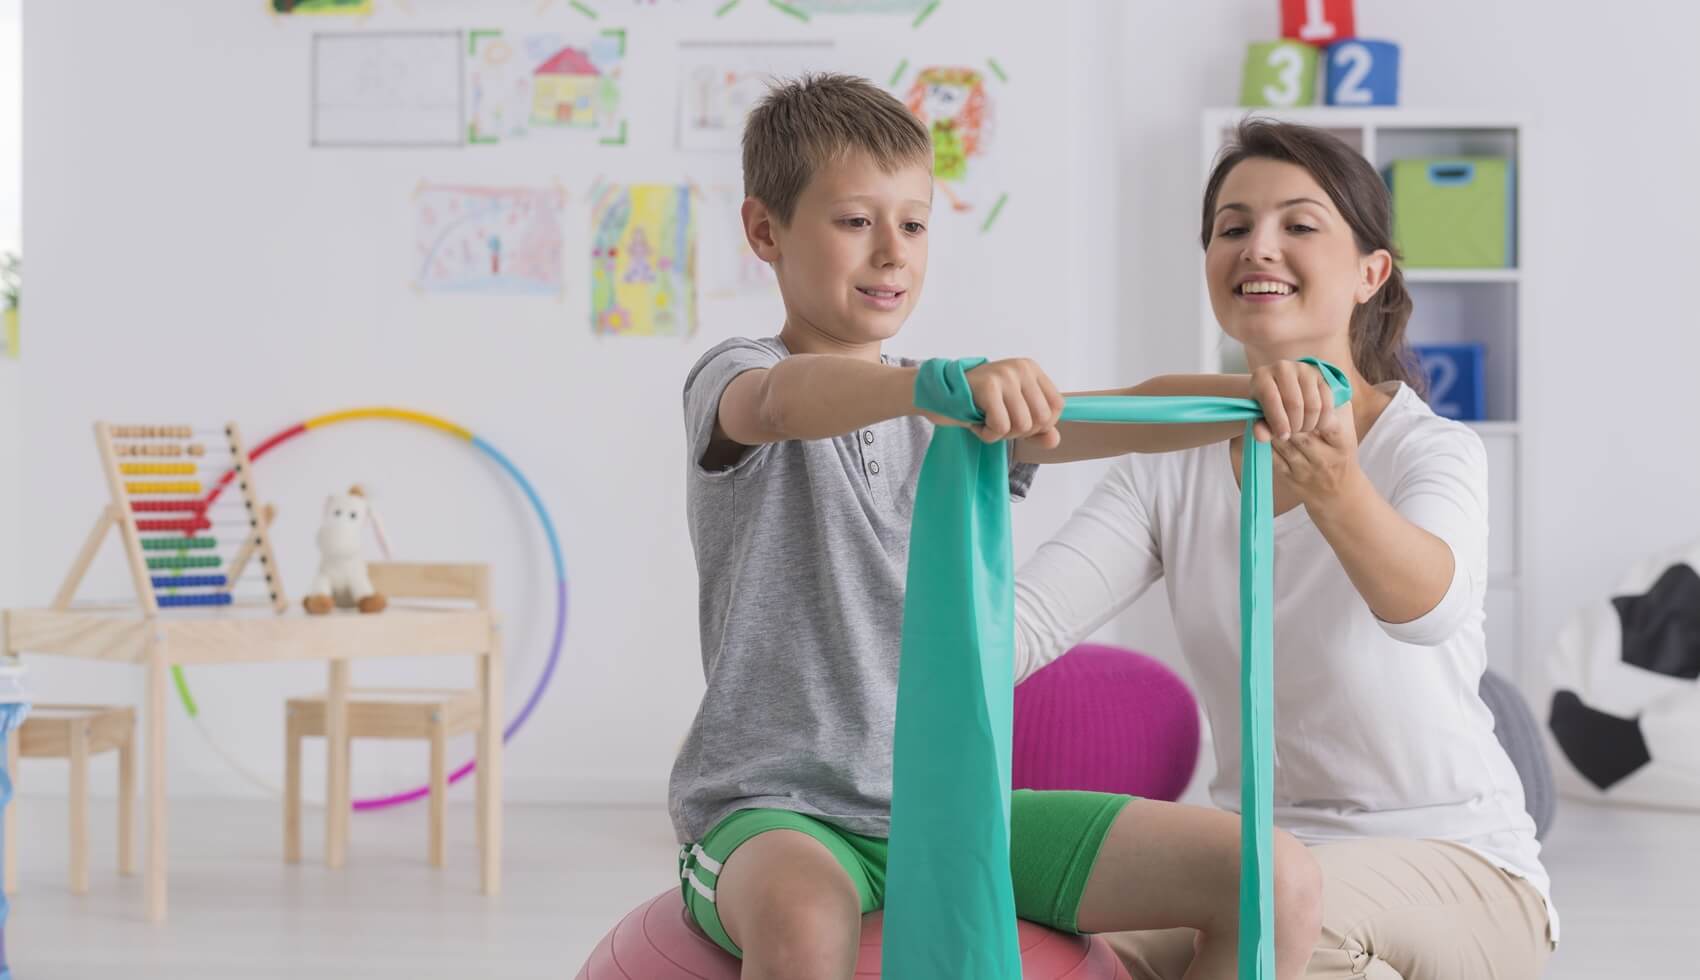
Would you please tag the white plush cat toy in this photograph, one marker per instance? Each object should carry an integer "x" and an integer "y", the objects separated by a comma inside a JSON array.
[{"x": 342, "y": 580}]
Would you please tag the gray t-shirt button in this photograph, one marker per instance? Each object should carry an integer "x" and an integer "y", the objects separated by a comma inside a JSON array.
[
  {"x": 868, "y": 438},
  {"x": 874, "y": 467}
]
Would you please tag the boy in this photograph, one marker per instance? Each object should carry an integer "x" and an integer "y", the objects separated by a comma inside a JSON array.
[{"x": 803, "y": 451}]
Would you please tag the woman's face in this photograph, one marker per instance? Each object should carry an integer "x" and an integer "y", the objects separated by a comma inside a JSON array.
[{"x": 1283, "y": 265}]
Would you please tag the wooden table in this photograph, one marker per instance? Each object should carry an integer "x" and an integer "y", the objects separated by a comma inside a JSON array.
[{"x": 234, "y": 636}]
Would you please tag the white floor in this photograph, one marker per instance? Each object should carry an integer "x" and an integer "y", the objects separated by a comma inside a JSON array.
[{"x": 1628, "y": 887}]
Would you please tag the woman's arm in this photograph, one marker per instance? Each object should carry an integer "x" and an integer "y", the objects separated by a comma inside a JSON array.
[
  {"x": 1292, "y": 396},
  {"x": 1097, "y": 440},
  {"x": 1101, "y": 560},
  {"x": 1401, "y": 570},
  {"x": 1415, "y": 559}
]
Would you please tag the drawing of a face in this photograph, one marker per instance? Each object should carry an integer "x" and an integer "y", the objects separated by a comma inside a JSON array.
[
  {"x": 943, "y": 100},
  {"x": 953, "y": 99},
  {"x": 497, "y": 52}
]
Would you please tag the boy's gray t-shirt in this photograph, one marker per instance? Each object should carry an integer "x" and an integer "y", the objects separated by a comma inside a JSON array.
[{"x": 802, "y": 549}]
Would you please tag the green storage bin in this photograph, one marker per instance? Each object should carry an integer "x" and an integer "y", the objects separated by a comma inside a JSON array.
[{"x": 1454, "y": 212}]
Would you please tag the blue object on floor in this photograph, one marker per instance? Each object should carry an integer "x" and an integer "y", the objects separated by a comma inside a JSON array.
[{"x": 13, "y": 708}]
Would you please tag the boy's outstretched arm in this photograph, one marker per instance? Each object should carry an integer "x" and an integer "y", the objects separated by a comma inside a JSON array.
[
  {"x": 820, "y": 396},
  {"x": 812, "y": 396},
  {"x": 1295, "y": 397}
]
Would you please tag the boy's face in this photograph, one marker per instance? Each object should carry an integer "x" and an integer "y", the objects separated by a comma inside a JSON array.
[{"x": 852, "y": 259}]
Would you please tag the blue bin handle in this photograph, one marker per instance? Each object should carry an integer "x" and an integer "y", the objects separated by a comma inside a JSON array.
[{"x": 1452, "y": 173}]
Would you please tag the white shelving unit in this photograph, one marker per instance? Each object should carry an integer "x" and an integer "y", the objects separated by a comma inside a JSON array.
[{"x": 1484, "y": 306}]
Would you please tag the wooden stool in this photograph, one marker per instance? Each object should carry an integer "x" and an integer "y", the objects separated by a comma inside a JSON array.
[
  {"x": 397, "y": 713},
  {"x": 75, "y": 732}
]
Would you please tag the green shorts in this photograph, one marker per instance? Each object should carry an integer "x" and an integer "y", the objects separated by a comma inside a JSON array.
[{"x": 1054, "y": 840}]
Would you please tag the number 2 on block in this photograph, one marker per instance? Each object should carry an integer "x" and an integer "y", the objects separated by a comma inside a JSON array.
[{"x": 1356, "y": 60}]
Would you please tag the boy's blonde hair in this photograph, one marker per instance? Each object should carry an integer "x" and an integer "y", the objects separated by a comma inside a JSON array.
[{"x": 803, "y": 124}]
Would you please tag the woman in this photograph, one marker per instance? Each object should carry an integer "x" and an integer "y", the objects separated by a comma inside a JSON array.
[{"x": 1385, "y": 758}]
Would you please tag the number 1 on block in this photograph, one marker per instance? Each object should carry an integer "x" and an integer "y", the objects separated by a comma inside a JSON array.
[{"x": 1318, "y": 21}]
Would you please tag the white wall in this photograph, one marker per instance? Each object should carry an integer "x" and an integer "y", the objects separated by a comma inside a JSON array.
[
  {"x": 191, "y": 231},
  {"x": 11, "y": 122},
  {"x": 11, "y": 126},
  {"x": 193, "y": 260}
]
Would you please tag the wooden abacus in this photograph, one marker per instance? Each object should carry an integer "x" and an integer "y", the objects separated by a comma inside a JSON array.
[{"x": 179, "y": 558}]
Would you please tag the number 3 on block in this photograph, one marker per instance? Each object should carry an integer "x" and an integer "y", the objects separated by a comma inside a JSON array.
[
  {"x": 1279, "y": 74},
  {"x": 1318, "y": 21},
  {"x": 1363, "y": 73}
]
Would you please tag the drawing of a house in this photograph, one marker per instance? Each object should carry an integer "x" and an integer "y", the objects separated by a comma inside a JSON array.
[{"x": 565, "y": 90}]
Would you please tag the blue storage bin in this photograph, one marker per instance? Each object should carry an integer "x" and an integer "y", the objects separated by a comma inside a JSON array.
[{"x": 1457, "y": 386}]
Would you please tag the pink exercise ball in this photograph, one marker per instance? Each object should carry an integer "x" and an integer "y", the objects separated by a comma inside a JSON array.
[
  {"x": 1099, "y": 718},
  {"x": 657, "y": 942},
  {"x": 1106, "y": 719}
]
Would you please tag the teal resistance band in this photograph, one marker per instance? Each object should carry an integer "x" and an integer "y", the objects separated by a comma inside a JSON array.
[{"x": 950, "y": 904}]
